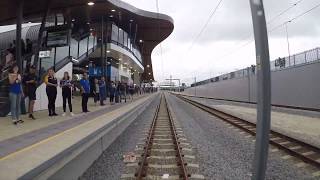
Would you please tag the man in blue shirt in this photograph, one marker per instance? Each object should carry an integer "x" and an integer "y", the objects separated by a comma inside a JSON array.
[{"x": 85, "y": 91}]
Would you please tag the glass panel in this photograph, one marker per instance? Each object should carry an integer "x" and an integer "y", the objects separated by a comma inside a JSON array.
[
  {"x": 62, "y": 52},
  {"x": 46, "y": 63},
  {"x": 83, "y": 47},
  {"x": 74, "y": 48},
  {"x": 114, "y": 36},
  {"x": 91, "y": 42},
  {"x": 121, "y": 37},
  {"x": 129, "y": 44},
  {"x": 125, "y": 38}
]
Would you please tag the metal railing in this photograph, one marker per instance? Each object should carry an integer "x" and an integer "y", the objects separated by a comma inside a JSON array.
[
  {"x": 134, "y": 51},
  {"x": 302, "y": 58}
]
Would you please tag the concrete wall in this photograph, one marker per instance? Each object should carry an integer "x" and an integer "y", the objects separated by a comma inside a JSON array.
[{"x": 296, "y": 86}]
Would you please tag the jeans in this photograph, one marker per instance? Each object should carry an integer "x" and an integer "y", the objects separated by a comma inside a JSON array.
[
  {"x": 85, "y": 97},
  {"x": 15, "y": 105}
]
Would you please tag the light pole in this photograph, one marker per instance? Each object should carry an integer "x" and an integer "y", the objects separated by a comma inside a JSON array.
[
  {"x": 288, "y": 42},
  {"x": 263, "y": 90}
]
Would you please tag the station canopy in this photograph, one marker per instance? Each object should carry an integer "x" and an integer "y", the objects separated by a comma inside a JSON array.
[{"x": 152, "y": 28}]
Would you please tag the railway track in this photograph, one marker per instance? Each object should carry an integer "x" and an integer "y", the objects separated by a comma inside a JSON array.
[
  {"x": 165, "y": 153},
  {"x": 306, "y": 152}
]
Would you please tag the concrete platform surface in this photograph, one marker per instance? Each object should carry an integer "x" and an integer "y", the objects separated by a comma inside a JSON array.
[
  {"x": 304, "y": 126},
  {"x": 17, "y": 163},
  {"x": 8, "y": 130}
]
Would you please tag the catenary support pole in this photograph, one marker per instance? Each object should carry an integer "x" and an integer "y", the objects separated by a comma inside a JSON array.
[{"x": 264, "y": 90}]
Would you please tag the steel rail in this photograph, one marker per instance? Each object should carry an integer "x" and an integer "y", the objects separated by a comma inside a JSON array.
[
  {"x": 250, "y": 128},
  {"x": 254, "y": 103},
  {"x": 142, "y": 171},
  {"x": 180, "y": 156}
]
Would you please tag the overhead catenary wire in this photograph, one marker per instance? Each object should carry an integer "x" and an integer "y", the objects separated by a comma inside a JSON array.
[
  {"x": 276, "y": 27},
  {"x": 270, "y": 21},
  {"x": 296, "y": 17},
  {"x": 249, "y": 40},
  {"x": 205, "y": 25},
  {"x": 214, "y": 10}
]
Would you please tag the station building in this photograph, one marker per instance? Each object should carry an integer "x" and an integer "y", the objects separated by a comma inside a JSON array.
[{"x": 107, "y": 38}]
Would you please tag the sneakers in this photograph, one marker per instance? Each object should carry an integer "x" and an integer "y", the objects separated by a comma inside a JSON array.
[
  {"x": 64, "y": 114},
  {"x": 71, "y": 114},
  {"x": 32, "y": 117}
]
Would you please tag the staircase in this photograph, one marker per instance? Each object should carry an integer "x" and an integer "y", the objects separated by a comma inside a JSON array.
[{"x": 4, "y": 97}]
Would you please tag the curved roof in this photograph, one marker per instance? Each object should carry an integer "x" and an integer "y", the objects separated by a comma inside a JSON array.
[{"x": 152, "y": 27}]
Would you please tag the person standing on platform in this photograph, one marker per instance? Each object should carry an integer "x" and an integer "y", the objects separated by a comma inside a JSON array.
[
  {"x": 102, "y": 90},
  {"x": 96, "y": 91},
  {"x": 51, "y": 89},
  {"x": 123, "y": 89},
  {"x": 118, "y": 93},
  {"x": 66, "y": 85},
  {"x": 15, "y": 94},
  {"x": 131, "y": 91},
  {"x": 85, "y": 90},
  {"x": 30, "y": 81},
  {"x": 112, "y": 91}
]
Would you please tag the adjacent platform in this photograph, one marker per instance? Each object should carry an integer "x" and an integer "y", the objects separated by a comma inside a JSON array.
[
  {"x": 39, "y": 149},
  {"x": 299, "y": 124}
]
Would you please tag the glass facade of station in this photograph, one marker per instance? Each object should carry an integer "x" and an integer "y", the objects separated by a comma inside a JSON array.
[{"x": 122, "y": 38}]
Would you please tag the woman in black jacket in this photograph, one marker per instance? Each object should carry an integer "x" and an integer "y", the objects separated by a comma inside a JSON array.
[{"x": 51, "y": 89}]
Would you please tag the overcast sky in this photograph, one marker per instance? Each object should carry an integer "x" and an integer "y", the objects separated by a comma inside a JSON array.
[{"x": 220, "y": 49}]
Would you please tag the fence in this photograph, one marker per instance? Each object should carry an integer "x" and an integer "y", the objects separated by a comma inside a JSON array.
[{"x": 276, "y": 65}]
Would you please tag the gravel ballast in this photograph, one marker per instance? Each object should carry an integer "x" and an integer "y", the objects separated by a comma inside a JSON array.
[
  {"x": 224, "y": 153},
  {"x": 110, "y": 165}
]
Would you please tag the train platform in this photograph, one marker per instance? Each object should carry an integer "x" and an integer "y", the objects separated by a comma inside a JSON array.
[
  {"x": 36, "y": 145},
  {"x": 300, "y": 124}
]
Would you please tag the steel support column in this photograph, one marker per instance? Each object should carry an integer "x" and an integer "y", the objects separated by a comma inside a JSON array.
[
  {"x": 18, "y": 44},
  {"x": 41, "y": 30},
  {"x": 102, "y": 44},
  {"x": 55, "y": 48},
  {"x": 264, "y": 89}
]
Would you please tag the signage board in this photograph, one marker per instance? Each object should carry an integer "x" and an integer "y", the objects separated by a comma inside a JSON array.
[
  {"x": 58, "y": 36},
  {"x": 44, "y": 54}
]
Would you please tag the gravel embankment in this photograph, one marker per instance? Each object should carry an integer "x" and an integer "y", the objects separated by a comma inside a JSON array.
[
  {"x": 224, "y": 153},
  {"x": 109, "y": 165}
]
